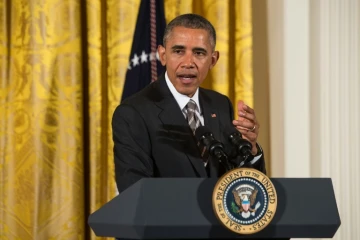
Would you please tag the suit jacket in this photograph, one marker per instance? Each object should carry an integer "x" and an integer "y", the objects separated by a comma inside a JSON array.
[{"x": 153, "y": 139}]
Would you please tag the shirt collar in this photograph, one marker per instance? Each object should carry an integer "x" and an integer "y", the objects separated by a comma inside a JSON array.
[{"x": 182, "y": 99}]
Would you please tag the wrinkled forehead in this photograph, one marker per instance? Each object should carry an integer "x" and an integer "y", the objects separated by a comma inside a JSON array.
[{"x": 184, "y": 36}]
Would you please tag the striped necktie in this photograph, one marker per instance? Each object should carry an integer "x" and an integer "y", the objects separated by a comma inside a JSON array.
[{"x": 193, "y": 120}]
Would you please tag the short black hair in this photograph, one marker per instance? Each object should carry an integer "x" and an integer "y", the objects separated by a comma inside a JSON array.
[{"x": 193, "y": 21}]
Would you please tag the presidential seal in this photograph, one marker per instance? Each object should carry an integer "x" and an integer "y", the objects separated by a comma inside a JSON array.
[{"x": 244, "y": 200}]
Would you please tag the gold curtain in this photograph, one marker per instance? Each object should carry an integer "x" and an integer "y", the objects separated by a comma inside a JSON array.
[{"x": 62, "y": 68}]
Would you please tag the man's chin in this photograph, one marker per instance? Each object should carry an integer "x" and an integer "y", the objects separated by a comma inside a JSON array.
[{"x": 187, "y": 91}]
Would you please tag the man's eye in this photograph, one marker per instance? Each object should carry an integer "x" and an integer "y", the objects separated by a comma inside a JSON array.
[
  {"x": 178, "y": 51},
  {"x": 200, "y": 53}
]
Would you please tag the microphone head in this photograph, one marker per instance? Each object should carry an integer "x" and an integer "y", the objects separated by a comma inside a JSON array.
[
  {"x": 204, "y": 139},
  {"x": 230, "y": 131},
  {"x": 201, "y": 131},
  {"x": 241, "y": 147},
  {"x": 208, "y": 145}
]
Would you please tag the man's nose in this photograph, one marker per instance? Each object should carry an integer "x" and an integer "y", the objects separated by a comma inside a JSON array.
[{"x": 188, "y": 61}]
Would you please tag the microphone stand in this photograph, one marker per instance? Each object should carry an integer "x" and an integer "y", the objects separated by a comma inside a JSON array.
[{"x": 223, "y": 159}]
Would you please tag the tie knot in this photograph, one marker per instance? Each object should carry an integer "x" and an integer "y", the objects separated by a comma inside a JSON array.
[{"x": 191, "y": 105}]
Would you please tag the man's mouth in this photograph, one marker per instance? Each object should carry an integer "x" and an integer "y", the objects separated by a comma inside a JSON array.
[{"x": 186, "y": 78}]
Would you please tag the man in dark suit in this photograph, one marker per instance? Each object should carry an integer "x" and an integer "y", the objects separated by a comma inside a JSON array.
[{"x": 153, "y": 130}]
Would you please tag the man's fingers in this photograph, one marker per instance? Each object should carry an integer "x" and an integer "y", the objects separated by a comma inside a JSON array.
[
  {"x": 247, "y": 124},
  {"x": 247, "y": 109},
  {"x": 241, "y": 105},
  {"x": 247, "y": 115},
  {"x": 250, "y": 136},
  {"x": 244, "y": 124}
]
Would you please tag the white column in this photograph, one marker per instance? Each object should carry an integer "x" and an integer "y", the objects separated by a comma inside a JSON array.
[
  {"x": 289, "y": 88},
  {"x": 335, "y": 113},
  {"x": 315, "y": 97}
]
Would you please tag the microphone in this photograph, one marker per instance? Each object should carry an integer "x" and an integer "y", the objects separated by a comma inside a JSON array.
[
  {"x": 242, "y": 146},
  {"x": 208, "y": 145}
]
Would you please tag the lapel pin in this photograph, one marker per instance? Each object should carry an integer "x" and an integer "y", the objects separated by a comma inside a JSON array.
[{"x": 213, "y": 115}]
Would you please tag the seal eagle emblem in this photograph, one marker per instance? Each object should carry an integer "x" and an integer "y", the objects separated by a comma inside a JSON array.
[{"x": 244, "y": 200}]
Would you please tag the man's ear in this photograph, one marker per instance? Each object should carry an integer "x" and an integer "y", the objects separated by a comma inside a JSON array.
[
  {"x": 214, "y": 58},
  {"x": 162, "y": 55}
]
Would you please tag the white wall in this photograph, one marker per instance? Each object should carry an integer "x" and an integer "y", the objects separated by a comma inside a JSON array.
[{"x": 314, "y": 97}]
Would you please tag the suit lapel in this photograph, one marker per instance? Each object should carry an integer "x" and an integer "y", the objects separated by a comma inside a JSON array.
[{"x": 175, "y": 123}]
